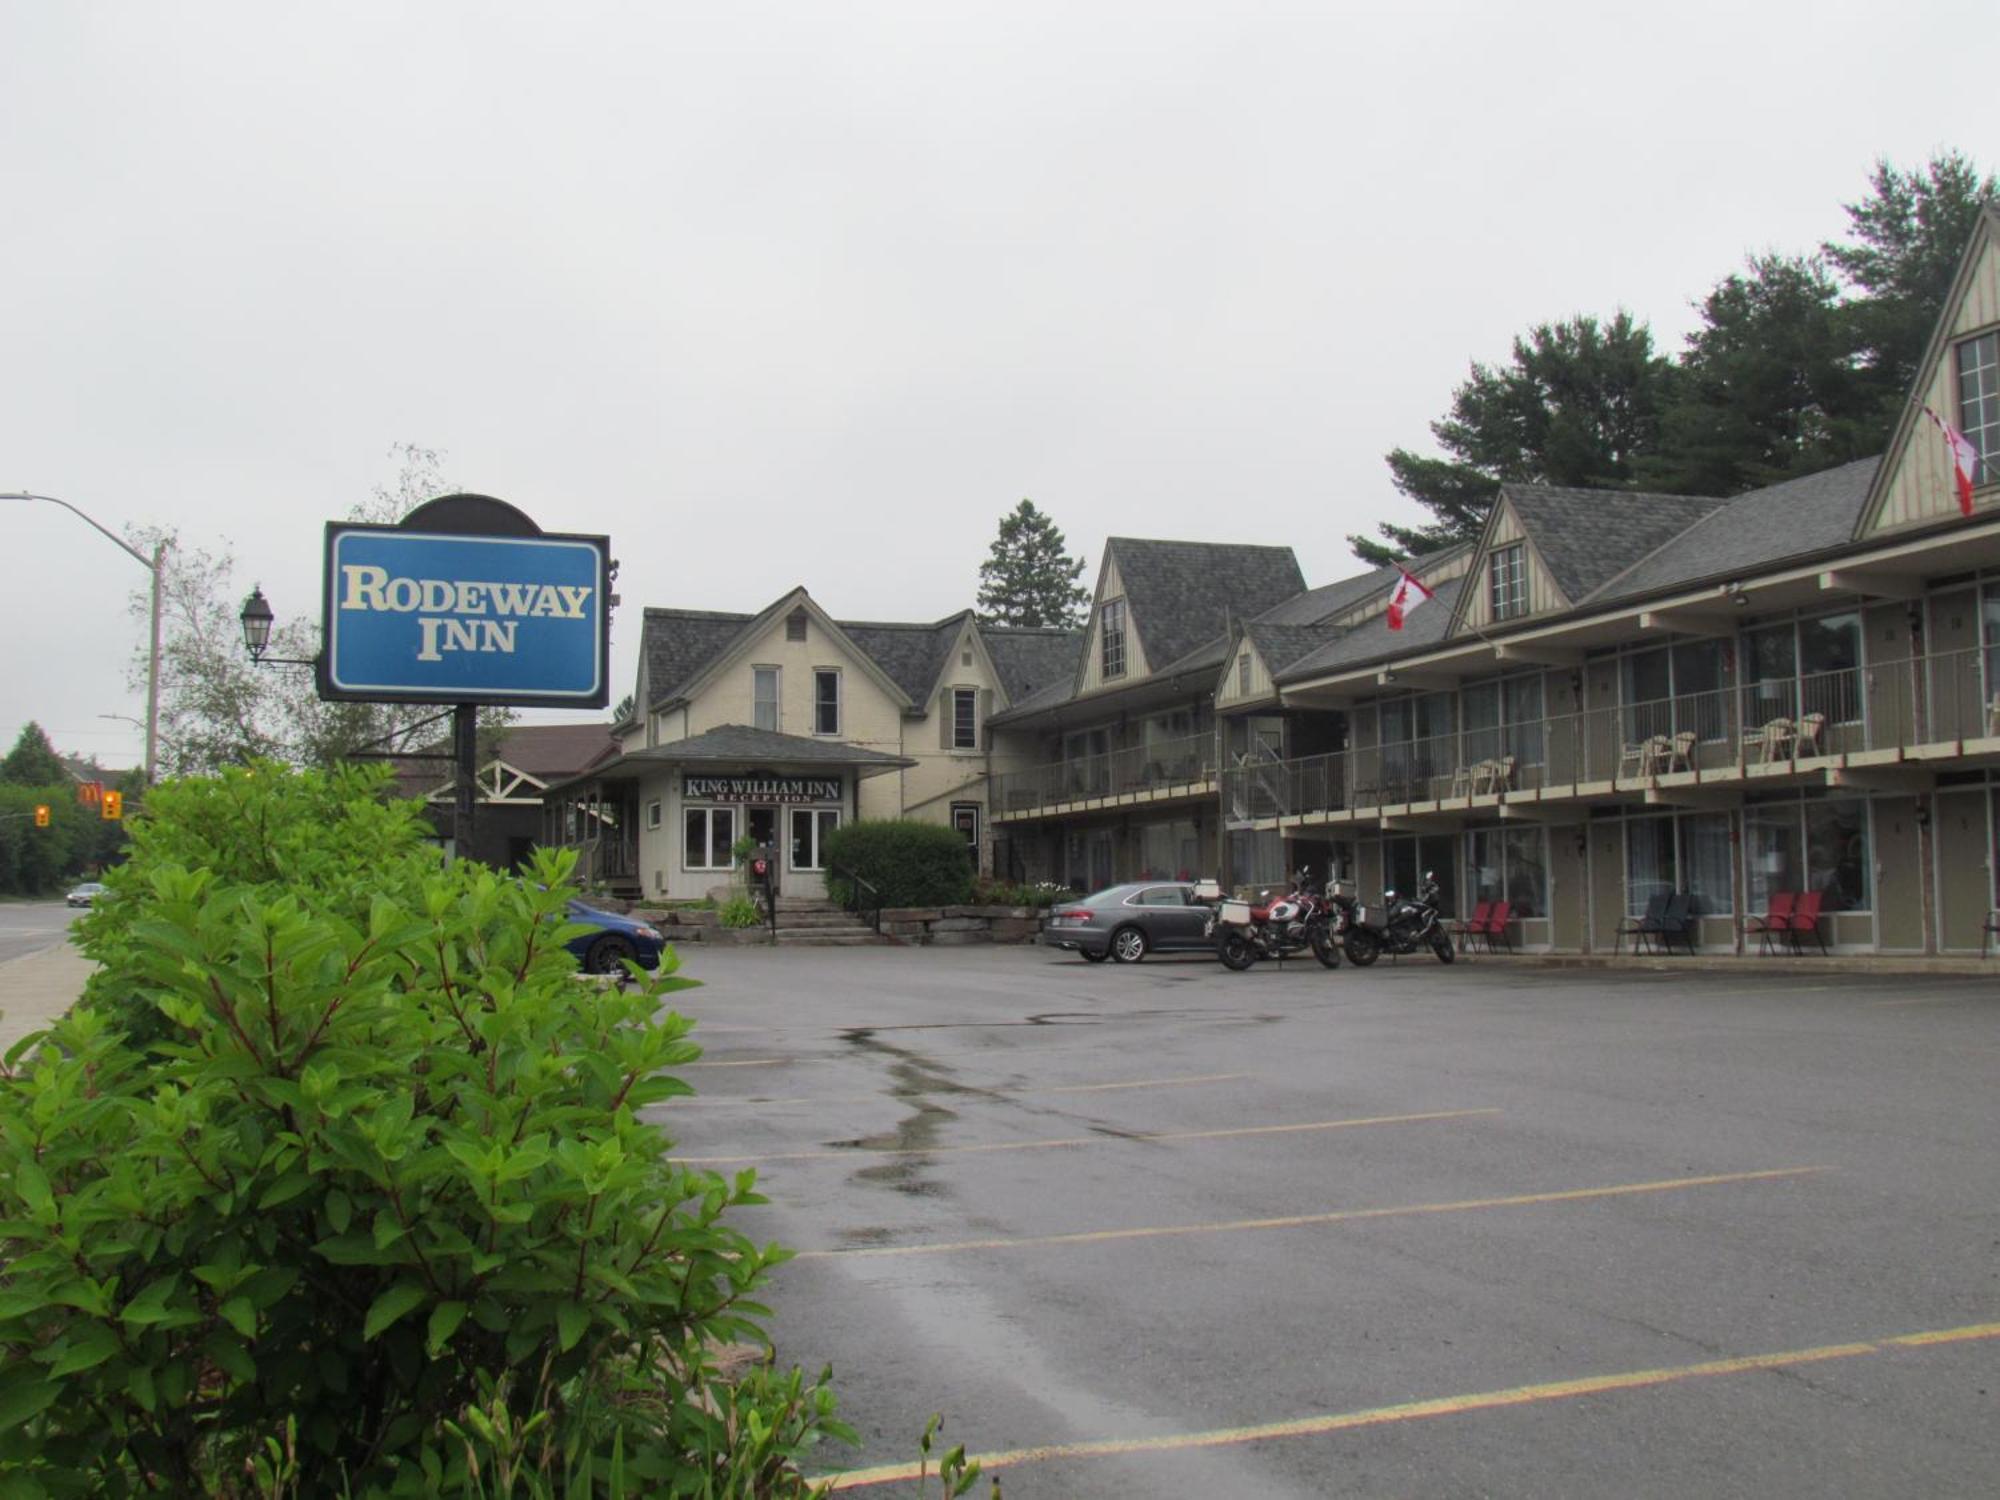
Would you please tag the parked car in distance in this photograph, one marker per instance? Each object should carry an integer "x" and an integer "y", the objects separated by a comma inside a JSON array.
[
  {"x": 1126, "y": 922},
  {"x": 85, "y": 894},
  {"x": 612, "y": 940}
]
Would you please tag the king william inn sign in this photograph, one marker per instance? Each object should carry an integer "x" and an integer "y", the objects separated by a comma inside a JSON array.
[{"x": 760, "y": 786}]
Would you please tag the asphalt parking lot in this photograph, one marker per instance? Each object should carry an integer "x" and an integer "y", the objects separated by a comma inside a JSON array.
[{"x": 1482, "y": 1230}]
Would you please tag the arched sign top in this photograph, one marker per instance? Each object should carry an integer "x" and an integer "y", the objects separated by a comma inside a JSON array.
[{"x": 470, "y": 515}]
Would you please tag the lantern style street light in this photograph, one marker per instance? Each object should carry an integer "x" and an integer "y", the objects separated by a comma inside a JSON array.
[
  {"x": 152, "y": 565},
  {"x": 256, "y": 618}
]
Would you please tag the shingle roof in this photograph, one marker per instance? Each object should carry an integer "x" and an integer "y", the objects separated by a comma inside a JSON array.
[
  {"x": 1756, "y": 529},
  {"x": 1373, "y": 640},
  {"x": 1182, "y": 595},
  {"x": 1314, "y": 605},
  {"x": 1028, "y": 660},
  {"x": 545, "y": 750},
  {"x": 1586, "y": 537},
  {"x": 1281, "y": 645},
  {"x": 678, "y": 643},
  {"x": 909, "y": 655}
]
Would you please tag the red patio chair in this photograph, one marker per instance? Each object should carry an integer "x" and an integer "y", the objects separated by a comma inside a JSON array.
[
  {"x": 1496, "y": 925},
  {"x": 1805, "y": 919},
  {"x": 1465, "y": 929},
  {"x": 1777, "y": 918}
]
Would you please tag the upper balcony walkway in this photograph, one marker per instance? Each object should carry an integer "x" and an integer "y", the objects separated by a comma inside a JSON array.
[
  {"x": 1887, "y": 727},
  {"x": 1165, "y": 771}
]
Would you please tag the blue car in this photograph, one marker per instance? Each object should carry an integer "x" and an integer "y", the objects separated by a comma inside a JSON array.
[{"x": 613, "y": 939}]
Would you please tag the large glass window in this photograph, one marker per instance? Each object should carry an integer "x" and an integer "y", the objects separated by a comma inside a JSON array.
[
  {"x": 1705, "y": 863},
  {"x": 1503, "y": 718},
  {"x": 810, "y": 826},
  {"x": 1804, "y": 667},
  {"x": 1837, "y": 859},
  {"x": 1649, "y": 862},
  {"x": 707, "y": 834},
  {"x": 1669, "y": 690},
  {"x": 1815, "y": 844},
  {"x": 1684, "y": 852},
  {"x": 764, "y": 697},
  {"x": 1418, "y": 745},
  {"x": 1510, "y": 864},
  {"x": 1508, "y": 581},
  {"x": 1771, "y": 857},
  {"x": 1112, "y": 635},
  {"x": 1830, "y": 668},
  {"x": 1979, "y": 402}
]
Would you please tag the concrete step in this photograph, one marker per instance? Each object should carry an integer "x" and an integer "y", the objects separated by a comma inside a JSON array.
[
  {"x": 817, "y": 918},
  {"x": 822, "y": 937}
]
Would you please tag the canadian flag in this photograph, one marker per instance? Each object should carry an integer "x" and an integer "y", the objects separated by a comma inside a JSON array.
[
  {"x": 1406, "y": 596},
  {"x": 1964, "y": 458}
]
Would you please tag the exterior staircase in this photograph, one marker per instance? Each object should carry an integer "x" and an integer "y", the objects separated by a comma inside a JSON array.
[{"x": 806, "y": 923}]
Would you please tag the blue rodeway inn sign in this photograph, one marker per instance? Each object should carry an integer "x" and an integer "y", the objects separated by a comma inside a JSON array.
[{"x": 427, "y": 614}]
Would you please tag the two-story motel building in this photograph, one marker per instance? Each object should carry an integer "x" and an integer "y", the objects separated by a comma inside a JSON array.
[{"x": 1610, "y": 695}]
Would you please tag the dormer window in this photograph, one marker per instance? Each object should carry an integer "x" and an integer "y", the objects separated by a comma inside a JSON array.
[
  {"x": 1507, "y": 581},
  {"x": 1979, "y": 402},
  {"x": 1112, "y": 636}
]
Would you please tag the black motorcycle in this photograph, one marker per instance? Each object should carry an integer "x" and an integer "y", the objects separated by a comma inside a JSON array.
[
  {"x": 1303, "y": 922},
  {"x": 1408, "y": 925}
]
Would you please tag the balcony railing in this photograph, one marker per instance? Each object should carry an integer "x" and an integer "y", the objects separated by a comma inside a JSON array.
[
  {"x": 1755, "y": 729},
  {"x": 1163, "y": 766}
]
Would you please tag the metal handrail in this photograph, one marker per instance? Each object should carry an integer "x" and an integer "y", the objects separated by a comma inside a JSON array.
[
  {"x": 1750, "y": 725},
  {"x": 856, "y": 885},
  {"x": 1187, "y": 761}
]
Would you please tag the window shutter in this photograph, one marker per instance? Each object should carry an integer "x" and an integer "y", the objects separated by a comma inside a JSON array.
[
  {"x": 944, "y": 719},
  {"x": 985, "y": 713}
]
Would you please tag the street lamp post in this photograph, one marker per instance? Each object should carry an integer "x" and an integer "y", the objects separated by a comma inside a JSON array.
[{"x": 153, "y": 566}]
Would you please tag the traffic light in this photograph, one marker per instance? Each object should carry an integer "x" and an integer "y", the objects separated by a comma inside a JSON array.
[
  {"x": 41, "y": 815},
  {"x": 114, "y": 805}
]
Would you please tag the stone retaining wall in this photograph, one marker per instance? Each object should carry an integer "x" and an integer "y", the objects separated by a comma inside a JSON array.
[{"x": 949, "y": 926}]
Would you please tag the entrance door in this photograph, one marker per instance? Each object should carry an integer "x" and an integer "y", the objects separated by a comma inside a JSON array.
[
  {"x": 1964, "y": 868},
  {"x": 761, "y": 824},
  {"x": 965, "y": 818}
]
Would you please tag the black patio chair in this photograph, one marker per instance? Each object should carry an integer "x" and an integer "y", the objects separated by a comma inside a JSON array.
[
  {"x": 1639, "y": 928},
  {"x": 1677, "y": 922}
]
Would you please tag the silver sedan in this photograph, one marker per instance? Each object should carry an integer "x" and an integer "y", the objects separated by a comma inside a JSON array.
[{"x": 1126, "y": 922}]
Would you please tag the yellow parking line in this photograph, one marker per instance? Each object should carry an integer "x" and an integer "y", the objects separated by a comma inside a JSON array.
[
  {"x": 1301, "y": 1221},
  {"x": 748, "y": 1062},
  {"x": 1138, "y": 1083},
  {"x": 1446, "y": 1406},
  {"x": 693, "y": 1101},
  {"x": 1148, "y": 1136}
]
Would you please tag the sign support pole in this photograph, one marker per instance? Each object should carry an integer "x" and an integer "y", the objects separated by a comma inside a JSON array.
[{"x": 465, "y": 785}]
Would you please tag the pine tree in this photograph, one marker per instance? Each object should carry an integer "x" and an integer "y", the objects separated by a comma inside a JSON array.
[
  {"x": 1577, "y": 405},
  {"x": 1030, "y": 578}
]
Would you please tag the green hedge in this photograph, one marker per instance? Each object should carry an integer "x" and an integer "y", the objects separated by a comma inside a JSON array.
[{"x": 909, "y": 863}]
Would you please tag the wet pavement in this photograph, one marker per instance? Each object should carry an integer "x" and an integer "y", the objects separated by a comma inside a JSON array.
[{"x": 1488, "y": 1229}]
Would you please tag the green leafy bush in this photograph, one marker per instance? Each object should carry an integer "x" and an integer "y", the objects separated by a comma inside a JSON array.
[
  {"x": 909, "y": 863},
  {"x": 378, "y": 1206},
  {"x": 738, "y": 911}
]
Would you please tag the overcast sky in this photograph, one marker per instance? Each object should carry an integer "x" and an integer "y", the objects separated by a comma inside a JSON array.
[{"x": 812, "y": 294}]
